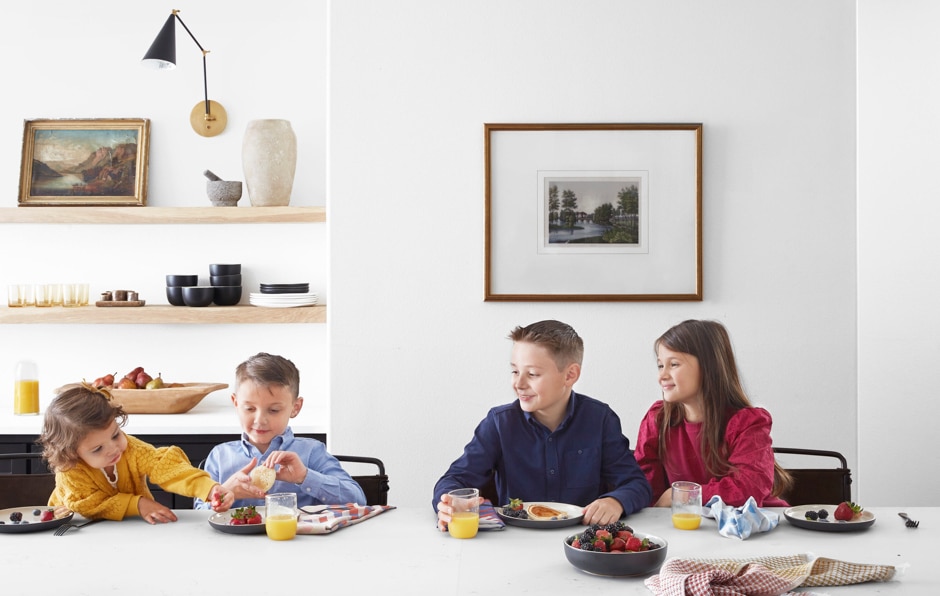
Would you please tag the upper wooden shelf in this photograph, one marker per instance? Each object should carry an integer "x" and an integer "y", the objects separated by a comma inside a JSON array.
[
  {"x": 240, "y": 314},
  {"x": 161, "y": 215}
]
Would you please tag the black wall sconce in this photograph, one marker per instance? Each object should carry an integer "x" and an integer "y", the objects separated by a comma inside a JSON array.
[{"x": 208, "y": 117}]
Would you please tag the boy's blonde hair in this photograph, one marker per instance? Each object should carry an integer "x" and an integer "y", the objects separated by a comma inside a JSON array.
[
  {"x": 68, "y": 420},
  {"x": 560, "y": 339},
  {"x": 268, "y": 369}
]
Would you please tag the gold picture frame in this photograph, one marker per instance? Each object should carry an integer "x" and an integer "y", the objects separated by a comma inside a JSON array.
[
  {"x": 90, "y": 162},
  {"x": 579, "y": 212}
]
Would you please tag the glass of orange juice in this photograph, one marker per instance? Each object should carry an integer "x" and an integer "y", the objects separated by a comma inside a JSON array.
[
  {"x": 686, "y": 505},
  {"x": 26, "y": 389},
  {"x": 465, "y": 520},
  {"x": 280, "y": 516}
]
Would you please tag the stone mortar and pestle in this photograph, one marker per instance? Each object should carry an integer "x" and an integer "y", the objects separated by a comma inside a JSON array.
[{"x": 222, "y": 193}]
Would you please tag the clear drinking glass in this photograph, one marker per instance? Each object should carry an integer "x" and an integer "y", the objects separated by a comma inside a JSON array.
[
  {"x": 26, "y": 389},
  {"x": 465, "y": 520},
  {"x": 280, "y": 516},
  {"x": 686, "y": 505}
]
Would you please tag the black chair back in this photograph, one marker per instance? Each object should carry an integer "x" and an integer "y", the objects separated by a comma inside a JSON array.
[
  {"x": 375, "y": 486},
  {"x": 25, "y": 480},
  {"x": 818, "y": 486}
]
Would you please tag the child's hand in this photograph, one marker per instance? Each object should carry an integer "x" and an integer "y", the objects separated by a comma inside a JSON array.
[
  {"x": 292, "y": 468},
  {"x": 445, "y": 510},
  {"x": 220, "y": 498},
  {"x": 239, "y": 484},
  {"x": 603, "y": 511},
  {"x": 155, "y": 513}
]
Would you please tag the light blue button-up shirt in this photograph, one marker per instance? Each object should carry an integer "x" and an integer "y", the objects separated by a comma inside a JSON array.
[{"x": 327, "y": 483}]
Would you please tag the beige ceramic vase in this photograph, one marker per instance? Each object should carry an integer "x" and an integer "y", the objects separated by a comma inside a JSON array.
[{"x": 269, "y": 159}]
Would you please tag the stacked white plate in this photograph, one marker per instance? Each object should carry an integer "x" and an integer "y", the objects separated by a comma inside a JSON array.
[{"x": 282, "y": 300}]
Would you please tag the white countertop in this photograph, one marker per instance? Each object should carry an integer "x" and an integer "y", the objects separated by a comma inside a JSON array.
[
  {"x": 401, "y": 551},
  {"x": 214, "y": 415}
]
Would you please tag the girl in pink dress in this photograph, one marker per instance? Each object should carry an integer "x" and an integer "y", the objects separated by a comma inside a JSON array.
[{"x": 705, "y": 429}]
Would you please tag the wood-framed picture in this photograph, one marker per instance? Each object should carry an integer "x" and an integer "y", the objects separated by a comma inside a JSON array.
[
  {"x": 92, "y": 162},
  {"x": 593, "y": 212}
]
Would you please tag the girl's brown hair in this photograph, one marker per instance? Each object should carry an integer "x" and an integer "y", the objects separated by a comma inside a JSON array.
[
  {"x": 68, "y": 420},
  {"x": 722, "y": 393}
]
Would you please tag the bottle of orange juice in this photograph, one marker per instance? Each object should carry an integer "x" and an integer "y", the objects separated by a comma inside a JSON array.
[{"x": 26, "y": 389}]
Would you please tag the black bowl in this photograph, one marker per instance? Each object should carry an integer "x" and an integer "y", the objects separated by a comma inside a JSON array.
[
  {"x": 174, "y": 295},
  {"x": 227, "y": 295},
  {"x": 224, "y": 269},
  {"x": 198, "y": 295},
  {"x": 618, "y": 564},
  {"x": 226, "y": 280},
  {"x": 182, "y": 280}
]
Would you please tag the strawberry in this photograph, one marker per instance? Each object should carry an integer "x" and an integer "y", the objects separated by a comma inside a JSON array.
[
  {"x": 576, "y": 543},
  {"x": 245, "y": 516},
  {"x": 634, "y": 544},
  {"x": 47, "y": 515},
  {"x": 624, "y": 535},
  {"x": 603, "y": 534},
  {"x": 618, "y": 544},
  {"x": 847, "y": 511},
  {"x": 600, "y": 546},
  {"x": 515, "y": 504}
]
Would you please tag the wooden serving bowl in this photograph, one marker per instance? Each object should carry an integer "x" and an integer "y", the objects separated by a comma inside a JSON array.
[{"x": 170, "y": 400}]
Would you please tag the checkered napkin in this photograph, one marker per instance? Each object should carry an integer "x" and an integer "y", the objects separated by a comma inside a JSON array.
[
  {"x": 764, "y": 576},
  {"x": 336, "y": 517},
  {"x": 740, "y": 522},
  {"x": 489, "y": 519}
]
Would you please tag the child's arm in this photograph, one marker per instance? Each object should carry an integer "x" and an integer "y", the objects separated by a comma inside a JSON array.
[
  {"x": 321, "y": 476},
  {"x": 750, "y": 453}
]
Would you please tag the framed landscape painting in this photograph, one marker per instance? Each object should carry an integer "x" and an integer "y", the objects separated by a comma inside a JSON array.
[
  {"x": 75, "y": 162},
  {"x": 593, "y": 212}
]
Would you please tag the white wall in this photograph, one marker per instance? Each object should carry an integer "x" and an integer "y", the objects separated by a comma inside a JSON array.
[
  {"x": 72, "y": 60},
  {"x": 413, "y": 343},
  {"x": 898, "y": 258}
]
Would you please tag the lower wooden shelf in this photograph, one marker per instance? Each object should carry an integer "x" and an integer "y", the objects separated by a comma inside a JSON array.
[{"x": 91, "y": 315}]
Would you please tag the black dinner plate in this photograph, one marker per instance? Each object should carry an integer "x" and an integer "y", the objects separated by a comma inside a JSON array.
[
  {"x": 220, "y": 522},
  {"x": 575, "y": 515},
  {"x": 30, "y": 522},
  {"x": 797, "y": 517}
]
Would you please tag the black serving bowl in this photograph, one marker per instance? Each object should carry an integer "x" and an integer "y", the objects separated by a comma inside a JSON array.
[
  {"x": 182, "y": 280},
  {"x": 618, "y": 564},
  {"x": 227, "y": 295},
  {"x": 174, "y": 295},
  {"x": 198, "y": 295},
  {"x": 226, "y": 280},
  {"x": 225, "y": 269}
]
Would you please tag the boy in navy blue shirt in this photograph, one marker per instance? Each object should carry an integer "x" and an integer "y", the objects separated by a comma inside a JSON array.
[{"x": 551, "y": 444}]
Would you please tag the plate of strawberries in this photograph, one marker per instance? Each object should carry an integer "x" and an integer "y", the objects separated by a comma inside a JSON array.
[
  {"x": 31, "y": 519},
  {"x": 844, "y": 517},
  {"x": 241, "y": 520}
]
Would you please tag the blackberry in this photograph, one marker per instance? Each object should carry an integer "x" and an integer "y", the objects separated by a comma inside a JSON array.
[
  {"x": 587, "y": 546},
  {"x": 16, "y": 517},
  {"x": 812, "y": 515},
  {"x": 822, "y": 514}
]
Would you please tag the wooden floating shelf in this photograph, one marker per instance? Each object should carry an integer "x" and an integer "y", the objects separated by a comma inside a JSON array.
[
  {"x": 161, "y": 215},
  {"x": 93, "y": 315}
]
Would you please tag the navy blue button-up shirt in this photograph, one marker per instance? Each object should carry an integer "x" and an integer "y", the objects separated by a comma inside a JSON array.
[{"x": 587, "y": 457}]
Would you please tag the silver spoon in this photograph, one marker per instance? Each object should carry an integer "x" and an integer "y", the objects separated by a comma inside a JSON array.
[{"x": 908, "y": 521}]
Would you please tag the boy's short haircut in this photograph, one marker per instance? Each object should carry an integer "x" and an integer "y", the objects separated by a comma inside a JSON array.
[
  {"x": 268, "y": 369},
  {"x": 560, "y": 339}
]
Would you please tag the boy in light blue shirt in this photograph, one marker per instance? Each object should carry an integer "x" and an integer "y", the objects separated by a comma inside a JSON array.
[{"x": 266, "y": 397}]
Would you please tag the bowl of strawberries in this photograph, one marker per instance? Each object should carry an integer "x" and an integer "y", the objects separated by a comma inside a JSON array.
[{"x": 615, "y": 550}]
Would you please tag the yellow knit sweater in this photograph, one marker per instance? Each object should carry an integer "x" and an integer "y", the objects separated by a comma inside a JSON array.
[{"x": 86, "y": 490}]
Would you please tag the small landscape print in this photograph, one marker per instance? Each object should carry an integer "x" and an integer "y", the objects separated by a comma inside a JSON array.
[
  {"x": 592, "y": 212},
  {"x": 84, "y": 162}
]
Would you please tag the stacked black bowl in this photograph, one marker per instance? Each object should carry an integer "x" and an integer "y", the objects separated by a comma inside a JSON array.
[
  {"x": 175, "y": 285},
  {"x": 226, "y": 280}
]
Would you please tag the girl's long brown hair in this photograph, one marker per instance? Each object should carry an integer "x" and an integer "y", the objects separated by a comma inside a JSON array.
[
  {"x": 70, "y": 417},
  {"x": 722, "y": 394}
]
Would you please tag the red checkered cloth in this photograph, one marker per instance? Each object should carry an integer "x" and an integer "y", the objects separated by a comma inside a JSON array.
[
  {"x": 336, "y": 517},
  {"x": 760, "y": 576}
]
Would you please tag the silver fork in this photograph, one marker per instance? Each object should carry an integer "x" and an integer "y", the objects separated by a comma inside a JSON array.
[
  {"x": 908, "y": 521},
  {"x": 61, "y": 530}
]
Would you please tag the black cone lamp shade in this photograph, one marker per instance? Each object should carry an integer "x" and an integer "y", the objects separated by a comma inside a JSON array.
[{"x": 208, "y": 118}]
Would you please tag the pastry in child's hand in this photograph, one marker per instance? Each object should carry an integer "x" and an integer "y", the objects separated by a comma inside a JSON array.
[{"x": 263, "y": 477}]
